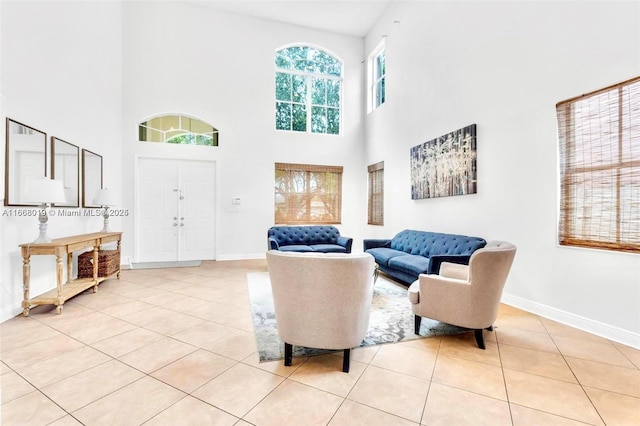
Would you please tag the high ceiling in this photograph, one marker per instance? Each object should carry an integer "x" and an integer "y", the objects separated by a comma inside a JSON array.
[{"x": 352, "y": 17}]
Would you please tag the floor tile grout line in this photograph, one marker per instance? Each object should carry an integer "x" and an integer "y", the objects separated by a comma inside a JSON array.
[
  {"x": 504, "y": 378},
  {"x": 574, "y": 375}
]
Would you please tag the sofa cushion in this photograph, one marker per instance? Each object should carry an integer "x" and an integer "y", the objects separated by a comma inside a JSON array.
[
  {"x": 410, "y": 263},
  {"x": 327, "y": 248},
  {"x": 383, "y": 254},
  {"x": 296, "y": 247}
]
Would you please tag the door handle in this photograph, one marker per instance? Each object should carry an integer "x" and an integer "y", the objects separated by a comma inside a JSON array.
[{"x": 175, "y": 224}]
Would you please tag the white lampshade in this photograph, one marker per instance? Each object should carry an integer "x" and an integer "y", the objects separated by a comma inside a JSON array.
[
  {"x": 44, "y": 190},
  {"x": 105, "y": 197}
]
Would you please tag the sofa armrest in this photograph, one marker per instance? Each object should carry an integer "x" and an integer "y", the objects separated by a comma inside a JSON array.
[
  {"x": 273, "y": 244},
  {"x": 375, "y": 243},
  {"x": 436, "y": 260},
  {"x": 345, "y": 242}
]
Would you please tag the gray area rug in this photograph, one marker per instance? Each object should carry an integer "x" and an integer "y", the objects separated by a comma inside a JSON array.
[{"x": 391, "y": 319}]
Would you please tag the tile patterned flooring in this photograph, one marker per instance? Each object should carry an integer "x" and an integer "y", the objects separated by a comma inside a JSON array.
[{"x": 176, "y": 347}]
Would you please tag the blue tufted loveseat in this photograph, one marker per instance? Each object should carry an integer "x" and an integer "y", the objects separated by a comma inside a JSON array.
[
  {"x": 319, "y": 239},
  {"x": 411, "y": 253}
]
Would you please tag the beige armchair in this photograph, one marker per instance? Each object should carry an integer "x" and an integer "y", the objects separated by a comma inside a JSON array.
[
  {"x": 322, "y": 300},
  {"x": 466, "y": 296}
]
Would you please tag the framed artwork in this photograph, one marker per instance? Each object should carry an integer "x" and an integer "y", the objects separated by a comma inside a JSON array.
[
  {"x": 445, "y": 166},
  {"x": 65, "y": 166},
  {"x": 91, "y": 178},
  {"x": 25, "y": 158}
]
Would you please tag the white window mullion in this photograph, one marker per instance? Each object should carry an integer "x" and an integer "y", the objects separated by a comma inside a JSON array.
[{"x": 308, "y": 101}]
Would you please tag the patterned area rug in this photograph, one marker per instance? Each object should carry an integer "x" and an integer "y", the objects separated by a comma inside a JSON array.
[{"x": 391, "y": 319}]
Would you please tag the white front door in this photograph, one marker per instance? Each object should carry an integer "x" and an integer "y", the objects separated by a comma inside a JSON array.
[{"x": 176, "y": 210}]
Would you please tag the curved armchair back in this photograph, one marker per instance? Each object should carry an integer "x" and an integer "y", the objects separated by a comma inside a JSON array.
[
  {"x": 322, "y": 300},
  {"x": 488, "y": 271}
]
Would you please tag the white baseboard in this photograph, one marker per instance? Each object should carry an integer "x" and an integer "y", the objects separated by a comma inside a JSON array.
[
  {"x": 616, "y": 334},
  {"x": 9, "y": 312}
]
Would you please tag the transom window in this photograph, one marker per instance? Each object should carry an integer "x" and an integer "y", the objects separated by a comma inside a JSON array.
[
  {"x": 178, "y": 129},
  {"x": 308, "y": 90},
  {"x": 307, "y": 193},
  {"x": 599, "y": 136}
]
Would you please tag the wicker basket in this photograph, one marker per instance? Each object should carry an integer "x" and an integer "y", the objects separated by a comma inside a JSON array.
[{"x": 108, "y": 263}]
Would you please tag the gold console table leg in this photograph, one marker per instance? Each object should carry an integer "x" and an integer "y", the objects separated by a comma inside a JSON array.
[{"x": 26, "y": 276}]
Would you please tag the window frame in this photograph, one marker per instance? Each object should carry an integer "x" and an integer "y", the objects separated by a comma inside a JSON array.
[
  {"x": 154, "y": 130},
  {"x": 599, "y": 160},
  {"x": 376, "y": 82},
  {"x": 375, "y": 207},
  {"x": 287, "y": 214},
  {"x": 309, "y": 104}
]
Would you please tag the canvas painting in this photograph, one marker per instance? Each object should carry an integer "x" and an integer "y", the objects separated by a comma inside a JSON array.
[{"x": 445, "y": 166}]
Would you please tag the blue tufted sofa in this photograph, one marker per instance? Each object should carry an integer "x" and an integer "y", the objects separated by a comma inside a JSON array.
[
  {"x": 411, "y": 253},
  {"x": 319, "y": 239}
]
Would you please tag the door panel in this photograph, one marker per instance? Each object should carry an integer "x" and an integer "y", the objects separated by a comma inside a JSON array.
[
  {"x": 197, "y": 207},
  {"x": 176, "y": 207}
]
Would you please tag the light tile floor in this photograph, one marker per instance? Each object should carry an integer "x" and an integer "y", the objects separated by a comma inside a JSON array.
[{"x": 176, "y": 347}]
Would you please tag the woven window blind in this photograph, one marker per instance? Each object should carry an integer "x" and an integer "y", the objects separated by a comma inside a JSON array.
[
  {"x": 599, "y": 137},
  {"x": 376, "y": 194},
  {"x": 308, "y": 194}
]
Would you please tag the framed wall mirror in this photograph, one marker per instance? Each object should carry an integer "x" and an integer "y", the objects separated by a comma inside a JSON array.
[
  {"x": 91, "y": 178},
  {"x": 65, "y": 166},
  {"x": 25, "y": 157}
]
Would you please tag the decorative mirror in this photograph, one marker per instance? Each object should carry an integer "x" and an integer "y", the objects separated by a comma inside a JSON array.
[
  {"x": 25, "y": 157},
  {"x": 65, "y": 166},
  {"x": 91, "y": 177}
]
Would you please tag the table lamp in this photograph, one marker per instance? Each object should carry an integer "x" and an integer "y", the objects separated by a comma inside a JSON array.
[
  {"x": 106, "y": 199},
  {"x": 44, "y": 191}
]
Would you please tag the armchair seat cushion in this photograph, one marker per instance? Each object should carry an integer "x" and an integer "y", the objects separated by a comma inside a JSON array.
[{"x": 414, "y": 292}]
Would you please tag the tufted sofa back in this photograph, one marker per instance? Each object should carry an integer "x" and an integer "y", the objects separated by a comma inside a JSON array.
[
  {"x": 433, "y": 243},
  {"x": 290, "y": 235}
]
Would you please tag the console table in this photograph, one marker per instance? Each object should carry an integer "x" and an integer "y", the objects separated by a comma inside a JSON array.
[{"x": 61, "y": 247}]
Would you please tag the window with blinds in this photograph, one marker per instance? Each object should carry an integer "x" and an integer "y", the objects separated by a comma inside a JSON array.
[
  {"x": 308, "y": 194},
  {"x": 599, "y": 137},
  {"x": 376, "y": 194}
]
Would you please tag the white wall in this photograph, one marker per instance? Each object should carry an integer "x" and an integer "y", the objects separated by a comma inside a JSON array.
[
  {"x": 190, "y": 58},
  {"x": 501, "y": 65},
  {"x": 504, "y": 66},
  {"x": 61, "y": 73}
]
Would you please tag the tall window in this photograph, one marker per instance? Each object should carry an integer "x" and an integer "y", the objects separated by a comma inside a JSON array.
[
  {"x": 306, "y": 193},
  {"x": 376, "y": 194},
  {"x": 308, "y": 90},
  {"x": 377, "y": 73},
  {"x": 178, "y": 129},
  {"x": 599, "y": 135}
]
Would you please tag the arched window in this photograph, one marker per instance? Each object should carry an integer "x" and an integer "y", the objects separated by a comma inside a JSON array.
[
  {"x": 308, "y": 90},
  {"x": 178, "y": 129}
]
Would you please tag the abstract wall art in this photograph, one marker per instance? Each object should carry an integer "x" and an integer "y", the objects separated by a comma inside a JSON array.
[{"x": 445, "y": 166}]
